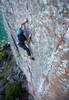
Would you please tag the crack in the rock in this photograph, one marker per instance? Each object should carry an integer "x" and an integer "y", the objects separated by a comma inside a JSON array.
[
  {"x": 27, "y": 4},
  {"x": 15, "y": 44},
  {"x": 62, "y": 37},
  {"x": 30, "y": 76}
]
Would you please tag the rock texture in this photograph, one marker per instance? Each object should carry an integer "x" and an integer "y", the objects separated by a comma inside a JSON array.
[{"x": 48, "y": 75}]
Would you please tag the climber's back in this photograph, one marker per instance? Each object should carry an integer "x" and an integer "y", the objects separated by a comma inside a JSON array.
[{"x": 20, "y": 34}]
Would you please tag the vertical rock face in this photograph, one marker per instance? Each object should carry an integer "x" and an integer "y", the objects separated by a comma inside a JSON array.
[{"x": 48, "y": 75}]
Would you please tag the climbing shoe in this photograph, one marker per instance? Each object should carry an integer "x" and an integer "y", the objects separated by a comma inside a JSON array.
[{"x": 32, "y": 58}]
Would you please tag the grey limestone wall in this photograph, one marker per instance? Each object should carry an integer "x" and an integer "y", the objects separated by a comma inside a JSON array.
[{"x": 48, "y": 75}]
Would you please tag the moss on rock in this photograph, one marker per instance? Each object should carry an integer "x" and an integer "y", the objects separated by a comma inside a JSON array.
[
  {"x": 13, "y": 91},
  {"x": 5, "y": 81},
  {"x": 3, "y": 55},
  {"x": 1, "y": 76}
]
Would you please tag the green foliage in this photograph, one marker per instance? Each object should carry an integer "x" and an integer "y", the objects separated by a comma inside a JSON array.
[
  {"x": 3, "y": 55},
  {"x": 13, "y": 91},
  {"x": 5, "y": 81},
  {"x": 1, "y": 76},
  {"x": 6, "y": 68}
]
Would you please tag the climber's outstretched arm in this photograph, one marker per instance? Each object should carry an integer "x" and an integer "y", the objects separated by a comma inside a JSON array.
[{"x": 25, "y": 21}]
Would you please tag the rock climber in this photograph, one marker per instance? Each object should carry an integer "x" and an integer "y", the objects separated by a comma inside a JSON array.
[{"x": 23, "y": 41}]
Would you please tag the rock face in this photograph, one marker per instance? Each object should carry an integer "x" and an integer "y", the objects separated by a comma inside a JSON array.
[{"x": 48, "y": 75}]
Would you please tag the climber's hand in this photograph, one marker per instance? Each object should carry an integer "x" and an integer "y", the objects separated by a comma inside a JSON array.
[{"x": 25, "y": 20}]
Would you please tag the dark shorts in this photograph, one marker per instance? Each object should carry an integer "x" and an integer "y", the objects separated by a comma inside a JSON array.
[{"x": 21, "y": 39}]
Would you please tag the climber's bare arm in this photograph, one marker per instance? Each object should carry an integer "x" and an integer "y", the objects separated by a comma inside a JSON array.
[
  {"x": 28, "y": 40},
  {"x": 23, "y": 23}
]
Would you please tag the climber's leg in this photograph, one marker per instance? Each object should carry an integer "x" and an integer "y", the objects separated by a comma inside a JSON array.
[{"x": 27, "y": 50}]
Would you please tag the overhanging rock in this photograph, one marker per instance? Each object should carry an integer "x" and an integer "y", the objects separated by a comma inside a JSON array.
[{"x": 48, "y": 75}]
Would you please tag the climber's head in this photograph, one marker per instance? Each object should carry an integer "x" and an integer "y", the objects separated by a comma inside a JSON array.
[{"x": 19, "y": 31}]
